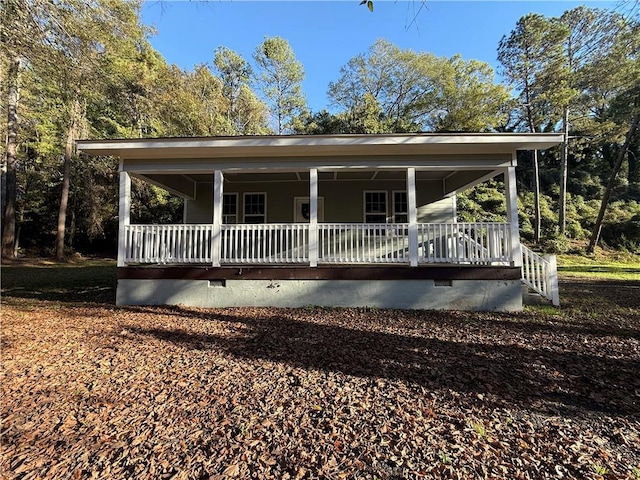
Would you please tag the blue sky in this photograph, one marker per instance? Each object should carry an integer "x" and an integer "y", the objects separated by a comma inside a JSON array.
[{"x": 326, "y": 34}]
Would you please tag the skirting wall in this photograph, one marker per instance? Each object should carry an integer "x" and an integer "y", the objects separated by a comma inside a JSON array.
[{"x": 487, "y": 295}]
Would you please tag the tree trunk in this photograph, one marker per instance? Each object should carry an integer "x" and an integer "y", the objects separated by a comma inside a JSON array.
[
  {"x": 634, "y": 163},
  {"x": 562, "y": 220},
  {"x": 536, "y": 196},
  {"x": 595, "y": 235},
  {"x": 10, "y": 181},
  {"x": 66, "y": 183}
]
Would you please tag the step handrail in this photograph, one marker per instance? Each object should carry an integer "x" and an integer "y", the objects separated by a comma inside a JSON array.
[{"x": 540, "y": 273}]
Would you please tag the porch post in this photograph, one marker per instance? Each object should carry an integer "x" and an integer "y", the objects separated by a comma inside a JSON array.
[
  {"x": 511, "y": 195},
  {"x": 313, "y": 217},
  {"x": 216, "y": 229},
  {"x": 413, "y": 216},
  {"x": 124, "y": 209}
]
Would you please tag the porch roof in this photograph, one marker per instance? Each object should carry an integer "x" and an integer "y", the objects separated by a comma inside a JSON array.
[
  {"x": 455, "y": 161},
  {"x": 313, "y": 146}
]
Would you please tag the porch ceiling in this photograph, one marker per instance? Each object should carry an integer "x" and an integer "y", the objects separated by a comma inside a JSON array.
[{"x": 451, "y": 181}]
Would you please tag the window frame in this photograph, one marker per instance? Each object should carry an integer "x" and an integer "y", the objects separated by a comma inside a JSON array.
[
  {"x": 386, "y": 206},
  {"x": 253, "y": 215},
  {"x": 396, "y": 212},
  {"x": 225, "y": 215}
]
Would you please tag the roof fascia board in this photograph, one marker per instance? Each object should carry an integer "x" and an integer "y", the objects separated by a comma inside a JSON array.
[
  {"x": 318, "y": 145},
  {"x": 533, "y": 139}
]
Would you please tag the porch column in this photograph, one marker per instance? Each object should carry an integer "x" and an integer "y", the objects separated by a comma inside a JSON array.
[
  {"x": 124, "y": 209},
  {"x": 216, "y": 229},
  {"x": 413, "y": 216},
  {"x": 511, "y": 195},
  {"x": 313, "y": 217}
]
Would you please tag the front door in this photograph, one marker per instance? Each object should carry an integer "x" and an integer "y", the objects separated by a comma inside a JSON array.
[{"x": 302, "y": 211}]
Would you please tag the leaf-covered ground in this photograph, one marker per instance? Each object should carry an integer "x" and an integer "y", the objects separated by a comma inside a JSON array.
[{"x": 94, "y": 391}]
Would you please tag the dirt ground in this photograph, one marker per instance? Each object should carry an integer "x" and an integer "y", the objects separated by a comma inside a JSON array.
[{"x": 90, "y": 390}]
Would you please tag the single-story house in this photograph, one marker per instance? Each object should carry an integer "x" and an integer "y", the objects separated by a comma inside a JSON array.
[{"x": 327, "y": 220}]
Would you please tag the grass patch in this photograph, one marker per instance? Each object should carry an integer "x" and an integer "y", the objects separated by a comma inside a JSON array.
[
  {"x": 84, "y": 281},
  {"x": 600, "y": 267}
]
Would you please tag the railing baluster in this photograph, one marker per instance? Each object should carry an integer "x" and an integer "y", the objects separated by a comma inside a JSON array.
[{"x": 477, "y": 242}]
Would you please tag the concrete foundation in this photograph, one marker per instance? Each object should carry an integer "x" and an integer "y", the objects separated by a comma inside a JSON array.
[{"x": 485, "y": 295}]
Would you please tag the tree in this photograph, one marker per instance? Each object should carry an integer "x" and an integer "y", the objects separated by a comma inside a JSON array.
[
  {"x": 366, "y": 117},
  {"x": 419, "y": 91},
  {"x": 280, "y": 77},
  {"x": 590, "y": 35},
  {"x": 84, "y": 36},
  {"x": 623, "y": 109},
  {"x": 246, "y": 114},
  {"x": 595, "y": 235},
  {"x": 468, "y": 98},
  {"x": 21, "y": 41},
  {"x": 66, "y": 47},
  {"x": 530, "y": 61},
  {"x": 10, "y": 162}
]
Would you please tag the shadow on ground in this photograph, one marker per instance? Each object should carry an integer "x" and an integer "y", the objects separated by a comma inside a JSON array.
[
  {"x": 501, "y": 358},
  {"x": 61, "y": 283}
]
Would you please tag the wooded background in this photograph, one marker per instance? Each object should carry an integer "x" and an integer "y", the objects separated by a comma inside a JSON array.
[{"x": 85, "y": 69}]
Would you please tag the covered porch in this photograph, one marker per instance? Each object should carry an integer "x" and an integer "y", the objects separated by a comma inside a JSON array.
[{"x": 319, "y": 205}]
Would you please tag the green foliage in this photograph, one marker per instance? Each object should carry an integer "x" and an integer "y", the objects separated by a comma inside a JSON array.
[
  {"x": 150, "y": 204},
  {"x": 280, "y": 77},
  {"x": 419, "y": 91},
  {"x": 479, "y": 428},
  {"x": 95, "y": 75},
  {"x": 368, "y": 3},
  {"x": 484, "y": 202}
]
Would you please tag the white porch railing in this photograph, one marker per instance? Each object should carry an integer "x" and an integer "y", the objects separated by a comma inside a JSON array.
[
  {"x": 342, "y": 243},
  {"x": 477, "y": 242},
  {"x": 167, "y": 244},
  {"x": 541, "y": 274},
  {"x": 363, "y": 243},
  {"x": 265, "y": 243}
]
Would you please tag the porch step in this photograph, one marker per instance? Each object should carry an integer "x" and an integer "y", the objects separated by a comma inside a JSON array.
[{"x": 531, "y": 297}]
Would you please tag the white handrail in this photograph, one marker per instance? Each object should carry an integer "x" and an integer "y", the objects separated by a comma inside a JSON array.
[
  {"x": 468, "y": 242},
  {"x": 167, "y": 244},
  {"x": 269, "y": 243},
  {"x": 483, "y": 243},
  {"x": 541, "y": 274},
  {"x": 363, "y": 243}
]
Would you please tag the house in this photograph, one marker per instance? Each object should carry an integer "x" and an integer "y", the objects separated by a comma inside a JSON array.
[{"x": 327, "y": 220}]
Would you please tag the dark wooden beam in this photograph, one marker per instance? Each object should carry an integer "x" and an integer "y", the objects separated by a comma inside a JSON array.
[{"x": 325, "y": 272}]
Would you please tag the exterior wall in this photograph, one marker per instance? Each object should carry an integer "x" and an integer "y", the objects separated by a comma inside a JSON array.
[
  {"x": 485, "y": 295},
  {"x": 343, "y": 200},
  {"x": 200, "y": 210}
]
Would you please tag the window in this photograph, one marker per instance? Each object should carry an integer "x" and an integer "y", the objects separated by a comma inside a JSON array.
[
  {"x": 230, "y": 208},
  {"x": 255, "y": 208},
  {"x": 375, "y": 207},
  {"x": 400, "y": 210}
]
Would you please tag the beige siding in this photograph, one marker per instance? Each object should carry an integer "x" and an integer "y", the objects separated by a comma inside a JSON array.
[
  {"x": 343, "y": 200},
  {"x": 200, "y": 210}
]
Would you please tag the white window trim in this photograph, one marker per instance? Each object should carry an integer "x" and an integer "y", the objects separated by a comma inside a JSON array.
[
  {"x": 235, "y": 194},
  {"x": 364, "y": 204},
  {"x": 244, "y": 197},
  {"x": 393, "y": 205}
]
